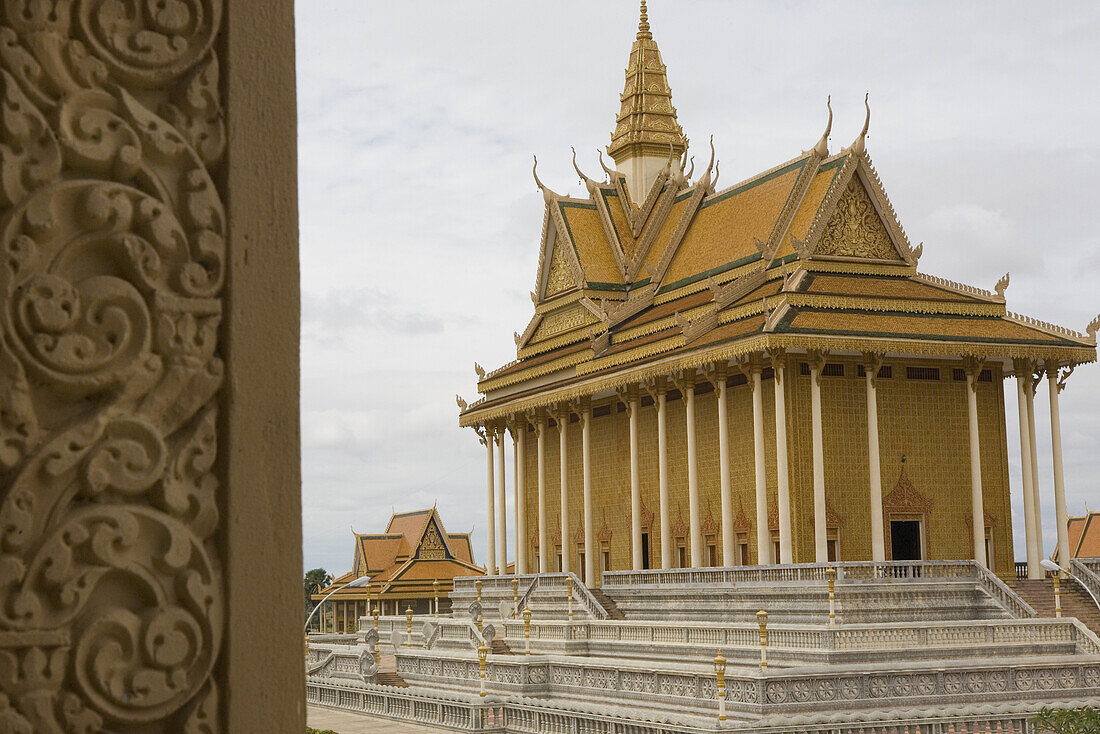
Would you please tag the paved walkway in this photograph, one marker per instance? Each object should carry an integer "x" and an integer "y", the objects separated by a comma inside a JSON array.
[{"x": 347, "y": 722}]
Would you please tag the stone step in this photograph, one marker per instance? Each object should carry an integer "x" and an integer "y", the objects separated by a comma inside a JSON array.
[
  {"x": 613, "y": 611},
  {"x": 1076, "y": 602},
  {"x": 391, "y": 679}
]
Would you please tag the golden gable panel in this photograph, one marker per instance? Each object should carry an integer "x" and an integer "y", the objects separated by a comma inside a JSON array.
[
  {"x": 561, "y": 277},
  {"x": 559, "y": 322},
  {"x": 855, "y": 229}
]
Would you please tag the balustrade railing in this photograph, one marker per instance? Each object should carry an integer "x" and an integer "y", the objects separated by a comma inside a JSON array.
[{"x": 1087, "y": 571}]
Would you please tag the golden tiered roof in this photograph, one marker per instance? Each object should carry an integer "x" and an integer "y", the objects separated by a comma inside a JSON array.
[
  {"x": 806, "y": 255},
  {"x": 647, "y": 120}
]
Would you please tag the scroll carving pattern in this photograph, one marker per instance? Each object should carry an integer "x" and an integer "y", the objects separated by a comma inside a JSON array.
[
  {"x": 112, "y": 263},
  {"x": 856, "y": 229}
]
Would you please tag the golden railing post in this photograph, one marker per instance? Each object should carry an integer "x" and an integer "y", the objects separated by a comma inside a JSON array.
[
  {"x": 482, "y": 653},
  {"x": 307, "y": 646},
  {"x": 515, "y": 597},
  {"x": 830, "y": 574},
  {"x": 435, "y": 592},
  {"x": 526, "y": 631},
  {"x": 374, "y": 613},
  {"x": 720, "y": 678},
  {"x": 409, "y": 624},
  {"x": 477, "y": 586},
  {"x": 762, "y": 620},
  {"x": 1057, "y": 594},
  {"x": 569, "y": 588}
]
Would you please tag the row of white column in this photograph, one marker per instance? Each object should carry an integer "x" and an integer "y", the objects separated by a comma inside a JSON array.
[
  {"x": 1028, "y": 378},
  {"x": 494, "y": 441}
]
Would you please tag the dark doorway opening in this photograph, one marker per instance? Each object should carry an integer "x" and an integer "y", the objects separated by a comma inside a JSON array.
[
  {"x": 645, "y": 550},
  {"x": 905, "y": 540}
]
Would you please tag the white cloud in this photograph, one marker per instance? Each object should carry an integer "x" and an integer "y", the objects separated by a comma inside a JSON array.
[{"x": 420, "y": 222}]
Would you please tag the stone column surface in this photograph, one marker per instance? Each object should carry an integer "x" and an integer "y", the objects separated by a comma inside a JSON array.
[
  {"x": 635, "y": 488},
  {"x": 976, "y": 505},
  {"x": 783, "y": 481},
  {"x": 519, "y": 439},
  {"x": 490, "y": 508},
  {"x": 1061, "y": 517},
  {"x": 149, "y": 359},
  {"x": 1036, "y": 495},
  {"x": 590, "y": 577},
  {"x": 563, "y": 455},
  {"x": 502, "y": 512},
  {"x": 694, "y": 521},
  {"x": 725, "y": 491},
  {"x": 1023, "y": 376},
  {"x": 878, "y": 540},
  {"x": 821, "y": 543},
  {"x": 662, "y": 480},
  {"x": 544, "y": 533},
  {"x": 763, "y": 533}
]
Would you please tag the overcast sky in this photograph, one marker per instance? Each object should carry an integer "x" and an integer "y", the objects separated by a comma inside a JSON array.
[{"x": 420, "y": 221}]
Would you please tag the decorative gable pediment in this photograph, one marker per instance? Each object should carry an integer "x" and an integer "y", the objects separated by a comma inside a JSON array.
[
  {"x": 559, "y": 275},
  {"x": 905, "y": 498},
  {"x": 432, "y": 546},
  {"x": 856, "y": 229}
]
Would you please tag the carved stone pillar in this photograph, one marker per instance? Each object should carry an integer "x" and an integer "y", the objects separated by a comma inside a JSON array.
[
  {"x": 562, "y": 419},
  {"x": 144, "y": 152},
  {"x": 490, "y": 506},
  {"x": 590, "y": 577},
  {"x": 501, "y": 500},
  {"x": 821, "y": 542},
  {"x": 786, "y": 554},
  {"x": 1036, "y": 496},
  {"x": 544, "y": 532},
  {"x": 519, "y": 443},
  {"x": 662, "y": 478},
  {"x": 725, "y": 491},
  {"x": 633, "y": 407},
  {"x": 1056, "y": 382}
]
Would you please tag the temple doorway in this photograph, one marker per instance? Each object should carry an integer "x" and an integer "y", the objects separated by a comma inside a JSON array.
[{"x": 905, "y": 540}]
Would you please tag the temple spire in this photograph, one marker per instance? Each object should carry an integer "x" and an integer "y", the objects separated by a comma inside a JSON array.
[{"x": 646, "y": 124}]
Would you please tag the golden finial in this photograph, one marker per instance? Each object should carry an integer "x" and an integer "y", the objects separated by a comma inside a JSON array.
[
  {"x": 643, "y": 24},
  {"x": 860, "y": 144},
  {"x": 822, "y": 147}
]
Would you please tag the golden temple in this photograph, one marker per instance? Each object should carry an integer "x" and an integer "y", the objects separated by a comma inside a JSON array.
[{"x": 757, "y": 373}]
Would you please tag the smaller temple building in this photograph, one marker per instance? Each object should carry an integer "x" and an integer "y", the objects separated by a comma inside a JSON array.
[{"x": 411, "y": 565}]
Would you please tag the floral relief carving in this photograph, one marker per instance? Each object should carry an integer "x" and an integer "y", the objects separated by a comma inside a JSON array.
[
  {"x": 855, "y": 229},
  {"x": 113, "y": 262}
]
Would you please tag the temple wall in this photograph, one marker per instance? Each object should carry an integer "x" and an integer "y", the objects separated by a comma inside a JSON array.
[{"x": 924, "y": 420}]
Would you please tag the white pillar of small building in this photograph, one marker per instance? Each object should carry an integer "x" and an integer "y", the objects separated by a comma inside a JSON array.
[
  {"x": 519, "y": 440},
  {"x": 544, "y": 536},
  {"x": 786, "y": 554},
  {"x": 1061, "y": 518},
  {"x": 490, "y": 509},
  {"x": 724, "y": 471},
  {"x": 563, "y": 438},
  {"x": 763, "y": 532},
  {"x": 1022, "y": 370},
  {"x": 502, "y": 513},
  {"x": 878, "y": 535},
  {"x": 590, "y": 577},
  {"x": 632, "y": 408},
  {"x": 662, "y": 480},
  {"x": 1036, "y": 495},
  {"x": 977, "y": 508},
  {"x": 695, "y": 525},
  {"x": 821, "y": 542}
]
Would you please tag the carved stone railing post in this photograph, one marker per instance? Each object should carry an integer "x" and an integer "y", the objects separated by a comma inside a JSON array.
[{"x": 148, "y": 367}]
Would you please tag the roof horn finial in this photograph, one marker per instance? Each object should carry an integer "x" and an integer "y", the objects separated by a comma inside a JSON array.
[
  {"x": 822, "y": 147},
  {"x": 584, "y": 179},
  {"x": 860, "y": 144},
  {"x": 547, "y": 194},
  {"x": 643, "y": 24}
]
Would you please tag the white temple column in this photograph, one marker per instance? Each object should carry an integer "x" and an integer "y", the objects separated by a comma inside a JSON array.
[
  {"x": 632, "y": 408},
  {"x": 490, "y": 510},
  {"x": 977, "y": 508},
  {"x": 544, "y": 534},
  {"x": 519, "y": 440},
  {"x": 502, "y": 512},
  {"x": 662, "y": 479},
  {"x": 590, "y": 577},
  {"x": 1036, "y": 495},
  {"x": 821, "y": 543},
  {"x": 1061, "y": 518},
  {"x": 724, "y": 470},
  {"x": 763, "y": 533},
  {"x": 786, "y": 554},
  {"x": 1022, "y": 370},
  {"x": 695, "y": 523},
  {"x": 563, "y": 451},
  {"x": 878, "y": 535}
]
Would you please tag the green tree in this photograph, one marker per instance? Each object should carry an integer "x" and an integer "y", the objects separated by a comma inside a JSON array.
[
  {"x": 1067, "y": 721},
  {"x": 315, "y": 580}
]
